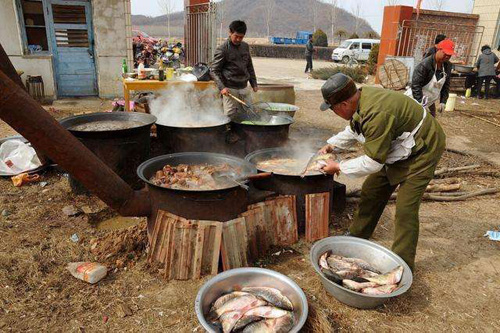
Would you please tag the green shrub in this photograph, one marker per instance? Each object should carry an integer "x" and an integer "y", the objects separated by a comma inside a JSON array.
[
  {"x": 354, "y": 36},
  {"x": 320, "y": 38},
  {"x": 372, "y": 59},
  {"x": 357, "y": 73}
]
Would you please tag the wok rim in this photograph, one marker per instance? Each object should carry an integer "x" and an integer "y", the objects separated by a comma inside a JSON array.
[
  {"x": 147, "y": 120},
  {"x": 143, "y": 165}
]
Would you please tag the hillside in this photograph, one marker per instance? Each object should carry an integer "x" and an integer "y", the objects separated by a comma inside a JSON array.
[{"x": 289, "y": 16}]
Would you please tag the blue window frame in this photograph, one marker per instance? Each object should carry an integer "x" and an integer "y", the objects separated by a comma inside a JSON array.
[{"x": 33, "y": 23}]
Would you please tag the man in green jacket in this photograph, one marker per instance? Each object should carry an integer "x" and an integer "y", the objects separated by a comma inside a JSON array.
[{"x": 402, "y": 144}]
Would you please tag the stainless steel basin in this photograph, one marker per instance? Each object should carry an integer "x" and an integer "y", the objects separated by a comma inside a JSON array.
[
  {"x": 238, "y": 278},
  {"x": 380, "y": 257}
]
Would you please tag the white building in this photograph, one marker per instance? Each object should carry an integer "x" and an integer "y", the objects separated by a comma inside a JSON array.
[
  {"x": 76, "y": 46},
  {"x": 489, "y": 17}
]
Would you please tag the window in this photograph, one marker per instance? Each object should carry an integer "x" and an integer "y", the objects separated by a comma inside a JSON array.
[
  {"x": 32, "y": 19},
  {"x": 70, "y": 15},
  {"x": 366, "y": 46},
  {"x": 354, "y": 46}
]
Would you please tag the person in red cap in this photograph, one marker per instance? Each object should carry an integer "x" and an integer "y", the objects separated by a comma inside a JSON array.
[{"x": 431, "y": 78}]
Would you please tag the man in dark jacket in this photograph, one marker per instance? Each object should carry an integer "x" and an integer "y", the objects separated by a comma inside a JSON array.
[
  {"x": 232, "y": 69},
  {"x": 309, "y": 54},
  {"x": 433, "y": 50},
  {"x": 437, "y": 69}
]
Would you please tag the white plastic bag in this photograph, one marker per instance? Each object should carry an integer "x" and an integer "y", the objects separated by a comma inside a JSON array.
[
  {"x": 16, "y": 157},
  {"x": 188, "y": 78}
]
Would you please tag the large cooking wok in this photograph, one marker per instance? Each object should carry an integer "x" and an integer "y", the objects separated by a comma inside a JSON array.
[
  {"x": 221, "y": 204},
  {"x": 291, "y": 183}
]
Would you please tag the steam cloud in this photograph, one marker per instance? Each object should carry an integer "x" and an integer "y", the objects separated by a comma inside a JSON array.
[{"x": 185, "y": 106}]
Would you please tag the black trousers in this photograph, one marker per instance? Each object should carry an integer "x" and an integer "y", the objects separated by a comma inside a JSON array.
[
  {"x": 487, "y": 81},
  {"x": 309, "y": 65}
]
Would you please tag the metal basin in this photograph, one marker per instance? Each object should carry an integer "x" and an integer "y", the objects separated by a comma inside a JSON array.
[
  {"x": 278, "y": 109},
  {"x": 380, "y": 257},
  {"x": 249, "y": 277}
]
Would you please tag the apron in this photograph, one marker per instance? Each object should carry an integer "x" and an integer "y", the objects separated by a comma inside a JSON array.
[
  {"x": 400, "y": 147},
  {"x": 431, "y": 91}
]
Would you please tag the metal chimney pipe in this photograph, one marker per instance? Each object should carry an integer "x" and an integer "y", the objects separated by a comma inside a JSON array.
[{"x": 28, "y": 118}]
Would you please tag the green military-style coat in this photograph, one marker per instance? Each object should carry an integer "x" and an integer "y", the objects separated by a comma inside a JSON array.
[{"x": 382, "y": 116}]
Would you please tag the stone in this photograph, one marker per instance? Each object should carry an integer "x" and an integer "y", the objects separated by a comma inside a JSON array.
[
  {"x": 70, "y": 210},
  {"x": 5, "y": 213}
]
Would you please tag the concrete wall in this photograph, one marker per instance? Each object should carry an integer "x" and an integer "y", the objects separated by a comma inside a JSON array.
[
  {"x": 110, "y": 35},
  {"x": 10, "y": 38},
  {"x": 489, "y": 17}
]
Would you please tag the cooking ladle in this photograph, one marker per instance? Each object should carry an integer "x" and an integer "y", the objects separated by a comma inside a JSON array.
[{"x": 238, "y": 179}]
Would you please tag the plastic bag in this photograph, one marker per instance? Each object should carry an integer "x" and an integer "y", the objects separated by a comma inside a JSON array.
[{"x": 16, "y": 157}]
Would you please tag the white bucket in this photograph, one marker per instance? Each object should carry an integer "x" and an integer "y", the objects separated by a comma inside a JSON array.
[{"x": 450, "y": 103}]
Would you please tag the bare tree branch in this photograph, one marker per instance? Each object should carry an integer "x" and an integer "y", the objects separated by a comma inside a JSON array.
[
  {"x": 166, "y": 7},
  {"x": 333, "y": 16},
  {"x": 270, "y": 4},
  {"x": 356, "y": 11},
  {"x": 437, "y": 4},
  {"x": 314, "y": 11},
  {"x": 392, "y": 2}
]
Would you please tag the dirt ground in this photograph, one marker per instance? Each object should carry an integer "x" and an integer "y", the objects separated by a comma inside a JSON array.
[{"x": 456, "y": 283}]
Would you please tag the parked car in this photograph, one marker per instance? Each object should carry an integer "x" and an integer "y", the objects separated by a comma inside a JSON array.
[
  {"x": 138, "y": 35},
  {"x": 357, "y": 49}
]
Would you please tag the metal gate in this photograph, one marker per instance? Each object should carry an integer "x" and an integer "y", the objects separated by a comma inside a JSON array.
[
  {"x": 200, "y": 33},
  {"x": 415, "y": 37}
]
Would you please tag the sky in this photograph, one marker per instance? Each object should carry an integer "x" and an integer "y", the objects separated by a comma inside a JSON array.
[{"x": 371, "y": 10}]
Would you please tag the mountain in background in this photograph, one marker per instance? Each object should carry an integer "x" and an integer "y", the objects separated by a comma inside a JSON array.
[{"x": 289, "y": 16}]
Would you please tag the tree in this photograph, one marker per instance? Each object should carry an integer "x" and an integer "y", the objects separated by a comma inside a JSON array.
[
  {"x": 373, "y": 59},
  {"x": 356, "y": 11},
  {"x": 340, "y": 33},
  {"x": 371, "y": 35},
  {"x": 392, "y": 2},
  {"x": 354, "y": 36},
  {"x": 270, "y": 4},
  {"x": 333, "y": 16},
  {"x": 314, "y": 12},
  {"x": 221, "y": 8},
  {"x": 438, "y": 4},
  {"x": 166, "y": 7},
  {"x": 320, "y": 38}
]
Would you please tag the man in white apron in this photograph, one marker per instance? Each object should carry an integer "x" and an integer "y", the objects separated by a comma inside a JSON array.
[
  {"x": 431, "y": 78},
  {"x": 402, "y": 146}
]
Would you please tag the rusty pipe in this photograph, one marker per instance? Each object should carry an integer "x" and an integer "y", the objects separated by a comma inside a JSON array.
[{"x": 28, "y": 118}]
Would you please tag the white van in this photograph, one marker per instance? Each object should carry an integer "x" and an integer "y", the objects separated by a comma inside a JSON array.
[{"x": 358, "y": 49}]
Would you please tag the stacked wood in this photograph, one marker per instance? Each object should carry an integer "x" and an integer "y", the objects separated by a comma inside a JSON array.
[
  {"x": 317, "y": 216},
  {"x": 259, "y": 232},
  {"x": 234, "y": 244},
  {"x": 186, "y": 249}
]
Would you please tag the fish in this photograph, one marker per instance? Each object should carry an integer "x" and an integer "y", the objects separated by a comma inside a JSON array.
[
  {"x": 225, "y": 298},
  {"x": 362, "y": 264},
  {"x": 340, "y": 265},
  {"x": 381, "y": 290},
  {"x": 238, "y": 304},
  {"x": 270, "y": 295},
  {"x": 349, "y": 274},
  {"x": 392, "y": 277},
  {"x": 266, "y": 312},
  {"x": 278, "y": 325},
  {"x": 331, "y": 275},
  {"x": 244, "y": 321},
  {"x": 322, "y": 260},
  {"x": 353, "y": 285},
  {"x": 229, "y": 320}
]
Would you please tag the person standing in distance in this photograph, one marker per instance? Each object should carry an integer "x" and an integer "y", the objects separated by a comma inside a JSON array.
[
  {"x": 232, "y": 70},
  {"x": 309, "y": 54}
]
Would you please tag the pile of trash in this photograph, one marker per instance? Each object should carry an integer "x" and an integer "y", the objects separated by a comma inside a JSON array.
[{"x": 157, "y": 53}]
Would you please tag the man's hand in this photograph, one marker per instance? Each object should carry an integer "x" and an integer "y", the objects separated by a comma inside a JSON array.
[
  {"x": 225, "y": 92},
  {"x": 256, "y": 88},
  {"x": 331, "y": 168},
  {"x": 326, "y": 149},
  {"x": 441, "y": 107}
]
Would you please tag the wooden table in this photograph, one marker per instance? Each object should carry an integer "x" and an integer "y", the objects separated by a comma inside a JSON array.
[{"x": 138, "y": 85}]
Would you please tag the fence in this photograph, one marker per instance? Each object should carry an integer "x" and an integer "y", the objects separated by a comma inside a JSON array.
[
  {"x": 416, "y": 36},
  {"x": 200, "y": 33}
]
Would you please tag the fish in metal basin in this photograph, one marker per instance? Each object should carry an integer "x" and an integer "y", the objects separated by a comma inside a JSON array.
[
  {"x": 224, "y": 299},
  {"x": 359, "y": 262},
  {"x": 393, "y": 277},
  {"x": 278, "y": 325},
  {"x": 259, "y": 313},
  {"x": 241, "y": 304},
  {"x": 244, "y": 321},
  {"x": 381, "y": 290},
  {"x": 270, "y": 295},
  {"x": 357, "y": 286},
  {"x": 340, "y": 265},
  {"x": 322, "y": 260}
]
